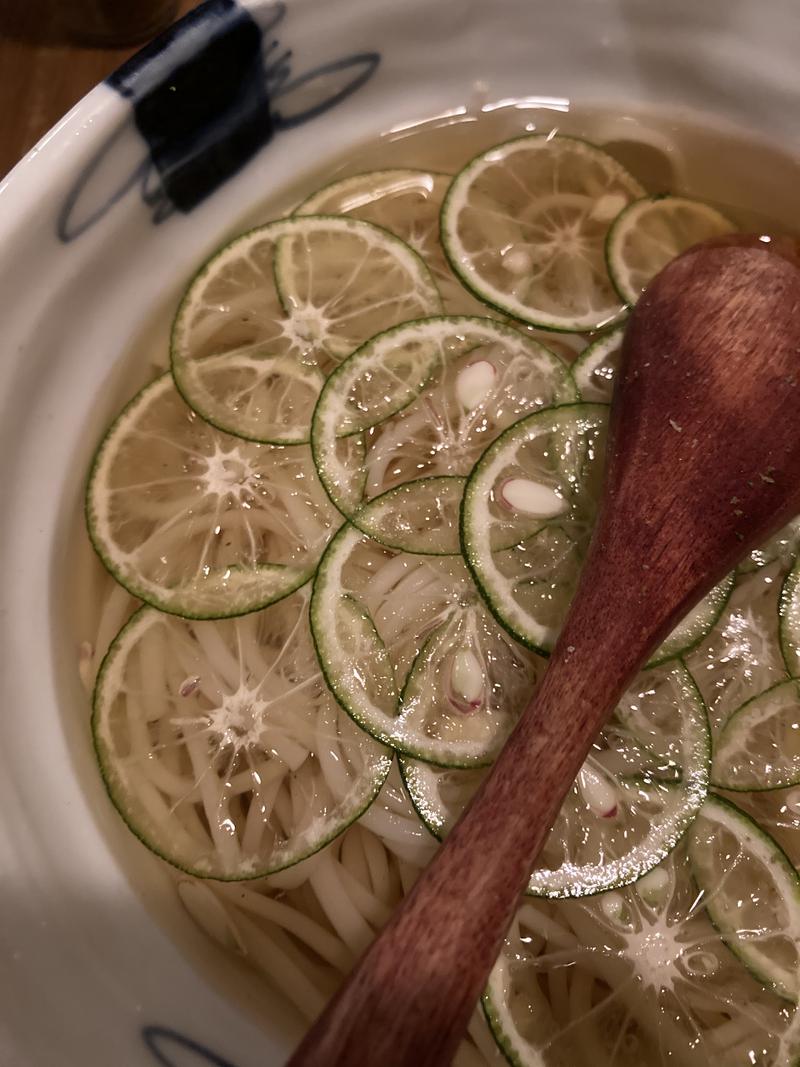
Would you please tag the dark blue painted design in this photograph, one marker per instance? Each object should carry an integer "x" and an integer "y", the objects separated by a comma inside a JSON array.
[
  {"x": 209, "y": 114},
  {"x": 166, "y": 1043},
  {"x": 207, "y": 95}
]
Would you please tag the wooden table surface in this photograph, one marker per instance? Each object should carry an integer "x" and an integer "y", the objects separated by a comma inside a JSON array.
[{"x": 43, "y": 73}]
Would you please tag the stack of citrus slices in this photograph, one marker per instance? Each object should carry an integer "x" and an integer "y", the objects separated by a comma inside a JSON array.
[{"x": 355, "y": 511}]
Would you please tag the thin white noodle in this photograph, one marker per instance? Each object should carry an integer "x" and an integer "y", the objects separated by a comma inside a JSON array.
[
  {"x": 384, "y": 450},
  {"x": 307, "y": 805},
  {"x": 391, "y": 825},
  {"x": 326, "y": 945},
  {"x": 374, "y": 910},
  {"x": 408, "y": 875},
  {"x": 153, "y": 671},
  {"x": 290, "y": 730},
  {"x": 258, "y": 815},
  {"x": 558, "y": 994},
  {"x": 299, "y": 874},
  {"x": 117, "y": 607},
  {"x": 281, "y": 970},
  {"x": 267, "y": 771},
  {"x": 532, "y": 918},
  {"x": 728, "y": 1034},
  {"x": 151, "y": 801},
  {"x": 331, "y": 756},
  {"x": 224, "y": 841},
  {"x": 179, "y": 787},
  {"x": 375, "y": 856},
  {"x": 218, "y": 655},
  {"x": 580, "y": 993},
  {"x": 353, "y": 861},
  {"x": 468, "y": 1056},
  {"x": 342, "y": 912},
  {"x": 479, "y": 1032}
]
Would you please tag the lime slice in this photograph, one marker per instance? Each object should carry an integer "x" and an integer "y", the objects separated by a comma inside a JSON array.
[
  {"x": 759, "y": 748},
  {"x": 221, "y": 746},
  {"x": 775, "y": 810},
  {"x": 420, "y": 516},
  {"x": 789, "y": 609},
  {"x": 752, "y": 893},
  {"x": 432, "y": 394},
  {"x": 198, "y": 523},
  {"x": 741, "y": 655},
  {"x": 536, "y": 488},
  {"x": 694, "y": 626},
  {"x": 641, "y": 975},
  {"x": 783, "y": 546},
  {"x": 406, "y": 202},
  {"x": 636, "y": 795},
  {"x": 524, "y": 226},
  {"x": 648, "y": 234},
  {"x": 595, "y": 368},
  {"x": 387, "y": 622},
  {"x": 269, "y": 314}
]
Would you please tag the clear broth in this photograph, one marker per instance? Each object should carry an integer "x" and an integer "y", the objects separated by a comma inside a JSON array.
[{"x": 737, "y": 173}]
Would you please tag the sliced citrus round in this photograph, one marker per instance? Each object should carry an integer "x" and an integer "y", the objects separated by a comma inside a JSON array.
[
  {"x": 266, "y": 318},
  {"x": 595, "y": 368},
  {"x": 199, "y": 523},
  {"x": 410, "y": 651},
  {"x": 419, "y": 516},
  {"x": 646, "y": 235},
  {"x": 775, "y": 810},
  {"x": 752, "y": 893},
  {"x": 406, "y": 202},
  {"x": 536, "y": 488},
  {"x": 221, "y": 746},
  {"x": 638, "y": 792},
  {"x": 759, "y": 748},
  {"x": 524, "y": 226},
  {"x": 642, "y": 975},
  {"x": 790, "y": 620},
  {"x": 740, "y": 657},
  {"x": 431, "y": 395},
  {"x": 691, "y": 630},
  {"x": 783, "y": 546}
]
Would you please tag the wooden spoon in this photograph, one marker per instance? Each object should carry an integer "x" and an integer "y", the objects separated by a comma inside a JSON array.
[{"x": 703, "y": 464}]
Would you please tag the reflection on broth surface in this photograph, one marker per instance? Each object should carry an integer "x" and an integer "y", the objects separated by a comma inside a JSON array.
[{"x": 306, "y": 680}]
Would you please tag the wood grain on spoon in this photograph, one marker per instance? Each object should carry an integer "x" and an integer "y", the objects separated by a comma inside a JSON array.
[{"x": 703, "y": 464}]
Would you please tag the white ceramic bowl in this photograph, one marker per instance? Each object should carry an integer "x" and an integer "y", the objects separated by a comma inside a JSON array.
[{"x": 97, "y": 967}]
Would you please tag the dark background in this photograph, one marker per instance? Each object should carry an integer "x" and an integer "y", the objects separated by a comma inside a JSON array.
[{"x": 52, "y": 52}]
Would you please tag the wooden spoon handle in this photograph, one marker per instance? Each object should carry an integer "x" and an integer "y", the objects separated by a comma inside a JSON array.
[
  {"x": 408, "y": 1000},
  {"x": 703, "y": 463}
]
